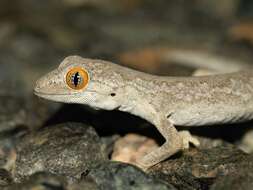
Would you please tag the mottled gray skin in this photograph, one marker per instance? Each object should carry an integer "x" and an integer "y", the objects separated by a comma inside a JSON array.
[{"x": 163, "y": 101}]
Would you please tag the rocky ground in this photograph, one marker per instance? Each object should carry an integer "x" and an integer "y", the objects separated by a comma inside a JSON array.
[{"x": 51, "y": 146}]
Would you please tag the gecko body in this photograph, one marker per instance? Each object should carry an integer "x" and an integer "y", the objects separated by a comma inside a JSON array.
[{"x": 163, "y": 101}]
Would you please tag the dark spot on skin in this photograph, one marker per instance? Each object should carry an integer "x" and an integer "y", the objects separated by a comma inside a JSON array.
[{"x": 113, "y": 94}]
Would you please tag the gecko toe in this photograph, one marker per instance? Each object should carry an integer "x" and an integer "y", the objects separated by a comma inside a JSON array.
[{"x": 188, "y": 138}]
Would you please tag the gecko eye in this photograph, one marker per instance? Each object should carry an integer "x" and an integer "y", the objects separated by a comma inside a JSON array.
[{"x": 77, "y": 78}]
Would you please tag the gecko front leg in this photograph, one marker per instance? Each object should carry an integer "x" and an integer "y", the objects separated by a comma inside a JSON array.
[{"x": 174, "y": 142}]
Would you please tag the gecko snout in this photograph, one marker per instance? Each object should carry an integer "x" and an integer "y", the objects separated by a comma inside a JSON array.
[
  {"x": 49, "y": 84},
  {"x": 38, "y": 88}
]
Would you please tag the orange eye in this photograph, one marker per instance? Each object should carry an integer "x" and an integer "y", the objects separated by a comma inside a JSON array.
[{"x": 77, "y": 78}]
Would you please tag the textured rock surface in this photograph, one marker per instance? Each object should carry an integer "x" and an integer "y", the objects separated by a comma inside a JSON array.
[
  {"x": 40, "y": 181},
  {"x": 198, "y": 169},
  {"x": 5, "y": 178},
  {"x": 240, "y": 177},
  {"x": 12, "y": 113},
  {"x": 66, "y": 149},
  {"x": 116, "y": 175}
]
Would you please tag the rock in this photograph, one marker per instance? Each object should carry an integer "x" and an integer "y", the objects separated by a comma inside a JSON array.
[
  {"x": 12, "y": 124},
  {"x": 83, "y": 185},
  {"x": 5, "y": 178},
  {"x": 131, "y": 147},
  {"x": 40, "y": 181},
  {"x": 108, "y": 143},
  {"x": 7, "y": 153},
  {"x": 239, "y": 178},
  {"x": 18, "y": 73},
  {"x": 198, "y": 169},
  {"x": 65, "y": 149},
  {"x": 12, "y": 113},
  {"x": 38, "y": 112},
  {"x": 21, "y": 113},
  {"x": 116, "y": 175},
  {"x": 208, "y": 142}
]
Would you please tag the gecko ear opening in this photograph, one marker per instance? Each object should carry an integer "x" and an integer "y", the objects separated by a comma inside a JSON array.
[{"x": 77, "y": 78}]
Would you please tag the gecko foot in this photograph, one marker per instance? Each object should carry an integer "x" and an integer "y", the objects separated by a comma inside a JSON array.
[
  {"x": 161, "y": 153},
  {"x": 180, "y": 141},
  {"x": 188, "y": 138}
]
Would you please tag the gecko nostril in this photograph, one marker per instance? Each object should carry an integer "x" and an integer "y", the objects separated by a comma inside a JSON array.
[{"x": 113, "y": 94}]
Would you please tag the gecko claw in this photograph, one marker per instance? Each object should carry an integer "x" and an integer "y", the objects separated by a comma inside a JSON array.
[{"x": 188, "y": 138}]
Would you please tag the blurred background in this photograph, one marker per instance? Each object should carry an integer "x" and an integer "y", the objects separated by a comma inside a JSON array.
[{"x": 35, "y": 36}]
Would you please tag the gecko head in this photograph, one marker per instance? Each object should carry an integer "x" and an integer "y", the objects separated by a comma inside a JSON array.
[{"x": 82, "y": 81}]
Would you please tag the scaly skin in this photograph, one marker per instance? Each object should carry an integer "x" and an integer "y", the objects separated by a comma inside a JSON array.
[{"x": 163, "y": 101}]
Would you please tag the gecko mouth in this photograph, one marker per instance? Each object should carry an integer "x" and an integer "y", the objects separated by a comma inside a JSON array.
[
  {"x": 58, "y": 97},
  {"x": 39, "y": 93}
]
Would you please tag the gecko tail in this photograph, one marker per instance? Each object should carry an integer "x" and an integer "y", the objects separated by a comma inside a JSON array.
[
  {"x": 205, "y": 60},
  {"x": 214, "y": 63}
]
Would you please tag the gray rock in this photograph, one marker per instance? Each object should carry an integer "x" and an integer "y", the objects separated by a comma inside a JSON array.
[
  {"x": 49, "y": 181},
  {"x": 12, "y": 122},
  {"x": 19, "y": 115},
  {"x": 83, "y": 185},
  {"x": 18, "y": 112},
  {"x": 198, "y": 169},
  {"x": 12, "y": 113},
  {"x": 7, "y": 153},
  {"x": 42, "y": 181},
  {"x": 120, "y": 176},
  {"x": 65, "y": 149},
  {"x": 5, "y": 178},
  {"x": 240, "y": 177}
]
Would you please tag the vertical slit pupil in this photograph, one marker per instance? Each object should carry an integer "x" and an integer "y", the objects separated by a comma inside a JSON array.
[{"x": 76, "y": 78}]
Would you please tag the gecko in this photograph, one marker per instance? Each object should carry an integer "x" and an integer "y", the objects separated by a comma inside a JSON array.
[{"x": 164, "y": 101}]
